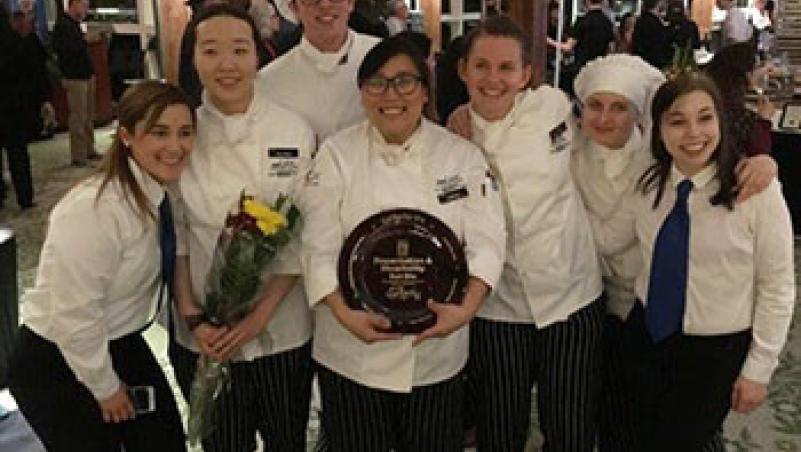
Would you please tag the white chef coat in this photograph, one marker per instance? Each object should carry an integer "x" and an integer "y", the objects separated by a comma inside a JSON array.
[
  {"x": 740, "y": 273},
  {"x": 551, "y": 268},
  {"x": 605, "y": 178},
  {"x": 358, "y": 174},
  {"x": 264, "y": 152},
  {"x": 99, "y": 276},
  {"x": 321, "y": 87}
]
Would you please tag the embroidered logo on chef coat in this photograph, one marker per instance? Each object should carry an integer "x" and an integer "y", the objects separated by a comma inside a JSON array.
[
  {"x": 451, "y": 188},
  {"x": 559, "y": 137},
  {"x": 283, "y": 162}
]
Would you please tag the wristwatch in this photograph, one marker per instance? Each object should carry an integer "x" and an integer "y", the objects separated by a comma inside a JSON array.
[{"x": 194, "y": 320}]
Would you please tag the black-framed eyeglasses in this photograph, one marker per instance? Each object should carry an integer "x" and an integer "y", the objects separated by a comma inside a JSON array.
[
  {"x": 317, "y": 2},
  {"x": 403, "y": 84}
]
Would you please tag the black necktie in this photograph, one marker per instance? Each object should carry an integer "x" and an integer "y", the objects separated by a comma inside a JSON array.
[
  {"x": 667, "y": 286},
  {"x": 167, "y": 243}
]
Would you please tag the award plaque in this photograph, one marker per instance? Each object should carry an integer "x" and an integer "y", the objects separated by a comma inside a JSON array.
[{"x": 395, "y": 261}]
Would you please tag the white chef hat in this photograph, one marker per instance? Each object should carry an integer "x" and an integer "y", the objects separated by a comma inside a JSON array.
[{"x": 627, "y": 75}]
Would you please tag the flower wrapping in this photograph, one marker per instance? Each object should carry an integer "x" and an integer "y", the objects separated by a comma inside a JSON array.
[{"x": 251, "y": 239}]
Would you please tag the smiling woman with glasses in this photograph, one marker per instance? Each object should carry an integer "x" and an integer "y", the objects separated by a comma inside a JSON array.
[{"x": 382, "y": 390}]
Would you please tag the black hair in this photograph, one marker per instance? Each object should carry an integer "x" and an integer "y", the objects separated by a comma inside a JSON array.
[
  {"x": 390, "y": 48},
  {"x": 648, "y": 5},
  {"x": 500, "y": 26},
  {"x": 226, "y": 10},
  {"x": 657, "y": 175},
  {"x": 421, "y": 40}
]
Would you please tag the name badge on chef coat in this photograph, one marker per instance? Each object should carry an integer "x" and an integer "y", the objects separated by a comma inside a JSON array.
[
  {"x": 451, "y": 188},
  {"x": 559, "y": 138},
  {"x": 283, "y": 162}
]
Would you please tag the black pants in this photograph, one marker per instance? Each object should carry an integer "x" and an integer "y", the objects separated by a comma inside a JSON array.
[
  {"x": 357, "y": 418},
  {"x": 563, "y": 358},
  {"x": 14, "y": 141},
  {"x": 682, "y": 386},
  {"x": 269, "y": 395},
  {"x": 65, "y": 415},
  {"x": 616, "y": 421}
]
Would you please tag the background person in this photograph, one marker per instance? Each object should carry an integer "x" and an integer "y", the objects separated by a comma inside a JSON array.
[
  {"x": 681, "y": 30},
  {"x": 16, "y": 75},
  {"x": 733, "y": 69},
  {"x": 625, "y": 33},
  {"x": 101, "y": 274},
  {"x": 735, "y": 27},
  {"x": 398, "y": 16},
  {"x": 75, "y": 64},
  {"x": 650, "y": 40}
]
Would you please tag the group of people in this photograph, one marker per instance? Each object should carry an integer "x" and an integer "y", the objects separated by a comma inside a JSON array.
[
  {"x": 562, "y": 220},
  {"x": 661, "y": 29}
]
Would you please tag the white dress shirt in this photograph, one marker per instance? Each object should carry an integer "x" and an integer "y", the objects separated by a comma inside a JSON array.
[
  {"x": 740, "y": 272},
  {"x": 263, "y": 152},
  {"x": 321, "y": 87},
  {"x": 551, "y": 268},
  {"x": 606, "y": 178},
  {"x": 99, "y": 276},
  {"x": 357, "y": 174},
  {"x": 736, "y": 27}
]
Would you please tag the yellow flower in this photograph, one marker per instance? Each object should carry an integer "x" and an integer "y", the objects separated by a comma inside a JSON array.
[{"x": 267, "y": 220}]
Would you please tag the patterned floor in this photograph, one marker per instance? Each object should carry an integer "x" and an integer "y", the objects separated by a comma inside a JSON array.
[{"x": 776, "y": 426}]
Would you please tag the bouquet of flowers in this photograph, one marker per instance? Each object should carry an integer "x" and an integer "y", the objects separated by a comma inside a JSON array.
[{"x": 252, "y": 237}]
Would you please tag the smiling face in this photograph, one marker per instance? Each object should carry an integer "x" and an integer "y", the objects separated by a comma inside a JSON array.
[
  {"x": 226, "y": 61},
  {"x": 325, "y": 24},
  {"x": 395, "y": 115},
  {"x": 608, "y": 119},
  {"x": 494, "y": 73},
  {"x": 163, "y": 150},
  {"x": 690, "y": 131}
]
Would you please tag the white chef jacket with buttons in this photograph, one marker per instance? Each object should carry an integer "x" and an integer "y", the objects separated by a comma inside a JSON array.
[
  {"x": 740, "y": 271},
  {"x": 357, "y": 174},
  {"x": 551, "y": 268},
  {"x": 605, "y": 178},
  {"x": 265, "y": 152},
  {"x": 99, "y": 276},
  {"x": 321, "y": 87}
]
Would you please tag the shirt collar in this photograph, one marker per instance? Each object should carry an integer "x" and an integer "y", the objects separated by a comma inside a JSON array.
[
  {"x": 152, "y": 189},
  {"x": 235, "y": 127},
  {"x": 484, "y": 125},
  {"x": 700, "y": 180},
  {"x": 327, "y": 62},
  {"x": 393, "y": 154}
]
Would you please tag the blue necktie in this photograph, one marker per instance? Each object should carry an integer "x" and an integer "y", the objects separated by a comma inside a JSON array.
[
  {"x": 667, "y": 287},
  {"x": 167, "y": 243}
]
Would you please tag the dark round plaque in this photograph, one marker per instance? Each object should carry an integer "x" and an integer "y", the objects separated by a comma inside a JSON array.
[{"x": 396, "y": 260}]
